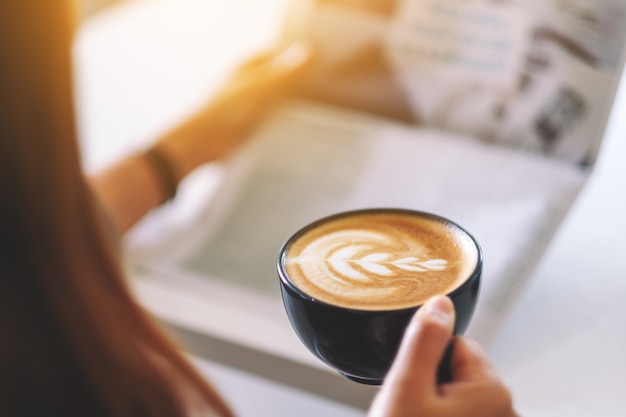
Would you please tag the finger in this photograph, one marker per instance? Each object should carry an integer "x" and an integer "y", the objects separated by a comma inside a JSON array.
[
  {"x": 470, "y": 362},
  {"x": 269, "y": 77},
  {"x": 259, "y": 59},
  {"x": 423, "y": 346},
  {"x": 291, "y": 55},
  {"x": 444, "y": 371},
  {"x": 279, "y": 72},
  {"x": 290, "y": 64}
]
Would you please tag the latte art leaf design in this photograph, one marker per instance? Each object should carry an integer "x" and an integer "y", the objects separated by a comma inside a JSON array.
[
  {"x": 379, "y": 263},
  {"x": 361, "y": 256},
  {"x": 414, "y": 264},
  {"x": 379, "y": 260}
]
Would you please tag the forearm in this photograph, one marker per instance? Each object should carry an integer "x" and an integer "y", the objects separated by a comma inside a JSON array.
[
  {"x": 132, "y": 187},
  {"x": 128, "y": 190}
]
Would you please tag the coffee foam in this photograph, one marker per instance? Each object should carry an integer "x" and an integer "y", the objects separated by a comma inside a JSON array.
[{"x": 380, "y": 260}]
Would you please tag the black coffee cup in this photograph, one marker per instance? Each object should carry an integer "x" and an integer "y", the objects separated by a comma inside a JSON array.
[{"x": 361, "y": 343}]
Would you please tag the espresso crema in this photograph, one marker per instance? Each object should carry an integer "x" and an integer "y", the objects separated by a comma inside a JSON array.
[{"x": 379, "y": 260}]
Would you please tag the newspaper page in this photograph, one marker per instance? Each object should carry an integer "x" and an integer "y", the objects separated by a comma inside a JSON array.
[{"x": 537, "y": 75}]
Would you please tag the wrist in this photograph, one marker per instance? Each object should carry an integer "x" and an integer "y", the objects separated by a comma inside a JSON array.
[
  {"x": 188, "y": 146},
  {"x": 163, "y": 170}
]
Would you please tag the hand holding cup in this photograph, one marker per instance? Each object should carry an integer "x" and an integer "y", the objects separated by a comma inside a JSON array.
[{"x": 351, "y": 283}]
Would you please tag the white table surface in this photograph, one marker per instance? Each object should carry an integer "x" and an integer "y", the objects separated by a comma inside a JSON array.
[{"x": 563, "y": 349}]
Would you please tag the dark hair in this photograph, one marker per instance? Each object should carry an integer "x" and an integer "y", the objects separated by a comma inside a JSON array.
[{"x": 73, "y": 341}]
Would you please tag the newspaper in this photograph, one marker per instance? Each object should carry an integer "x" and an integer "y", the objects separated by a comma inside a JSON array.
[
  {"x": 537, "y": 75},
  {"x": 488, "y": 113}
]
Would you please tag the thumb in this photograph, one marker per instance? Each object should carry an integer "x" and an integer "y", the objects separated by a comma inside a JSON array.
[
  {"x": 423, "y": 346},
  {"x": 273, "y": 73},
  {"x": 291, "y": 62},
  {"x": 295, "y": 55}
]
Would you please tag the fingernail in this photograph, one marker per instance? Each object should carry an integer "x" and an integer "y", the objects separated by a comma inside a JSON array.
[
  {"x": 439, "y": 308},
  {"x": 296, "y": 54}
]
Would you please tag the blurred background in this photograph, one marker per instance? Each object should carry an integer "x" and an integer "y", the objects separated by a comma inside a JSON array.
[{"x": 562, "y": 349}]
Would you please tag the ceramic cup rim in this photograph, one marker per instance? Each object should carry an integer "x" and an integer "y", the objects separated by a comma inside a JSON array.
[{"x": 296, "y": 291}]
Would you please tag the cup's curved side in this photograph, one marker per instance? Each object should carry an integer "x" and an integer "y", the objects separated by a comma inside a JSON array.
[{"x": 362, "y": 344}]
